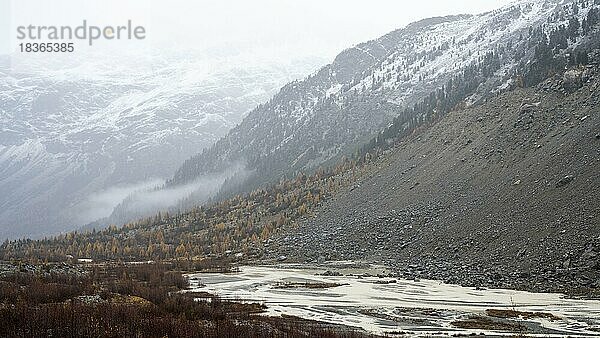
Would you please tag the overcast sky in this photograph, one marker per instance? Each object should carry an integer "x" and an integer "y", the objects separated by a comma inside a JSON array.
[{"x": 312, "y": 27}]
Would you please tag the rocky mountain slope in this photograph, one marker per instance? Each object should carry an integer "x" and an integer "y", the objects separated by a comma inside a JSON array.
[
  {"x": 403, "y": 79},
  {"x": 313, "y": 122},
  {"x": 77, "y": 139},
  {"x": 502, "y": 194}
]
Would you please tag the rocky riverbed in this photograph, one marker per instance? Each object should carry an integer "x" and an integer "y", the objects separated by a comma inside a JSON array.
[{"x": 364, "y": 296}]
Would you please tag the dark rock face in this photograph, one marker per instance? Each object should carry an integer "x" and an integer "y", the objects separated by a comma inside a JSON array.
[{"x": 564, "y": 181}]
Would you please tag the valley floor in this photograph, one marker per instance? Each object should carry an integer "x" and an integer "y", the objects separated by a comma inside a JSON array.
[
  {"x": 212, "y": 298},
  {"x": 132, "y": 300}
]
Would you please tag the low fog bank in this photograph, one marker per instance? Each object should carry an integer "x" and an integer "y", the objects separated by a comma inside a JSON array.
[
  {"x": 147, "y": 202},
  {"x": 101, "y": 204}
]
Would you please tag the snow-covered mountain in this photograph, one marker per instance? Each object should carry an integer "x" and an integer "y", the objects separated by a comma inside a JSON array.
[
  {"x": 79, "y": 143},
  {"x": 77, "y": 138},
  {"x": 435, "y": 63}
]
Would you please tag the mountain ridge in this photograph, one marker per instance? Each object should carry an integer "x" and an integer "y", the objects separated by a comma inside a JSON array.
[{"x": 327, "y": 115}]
